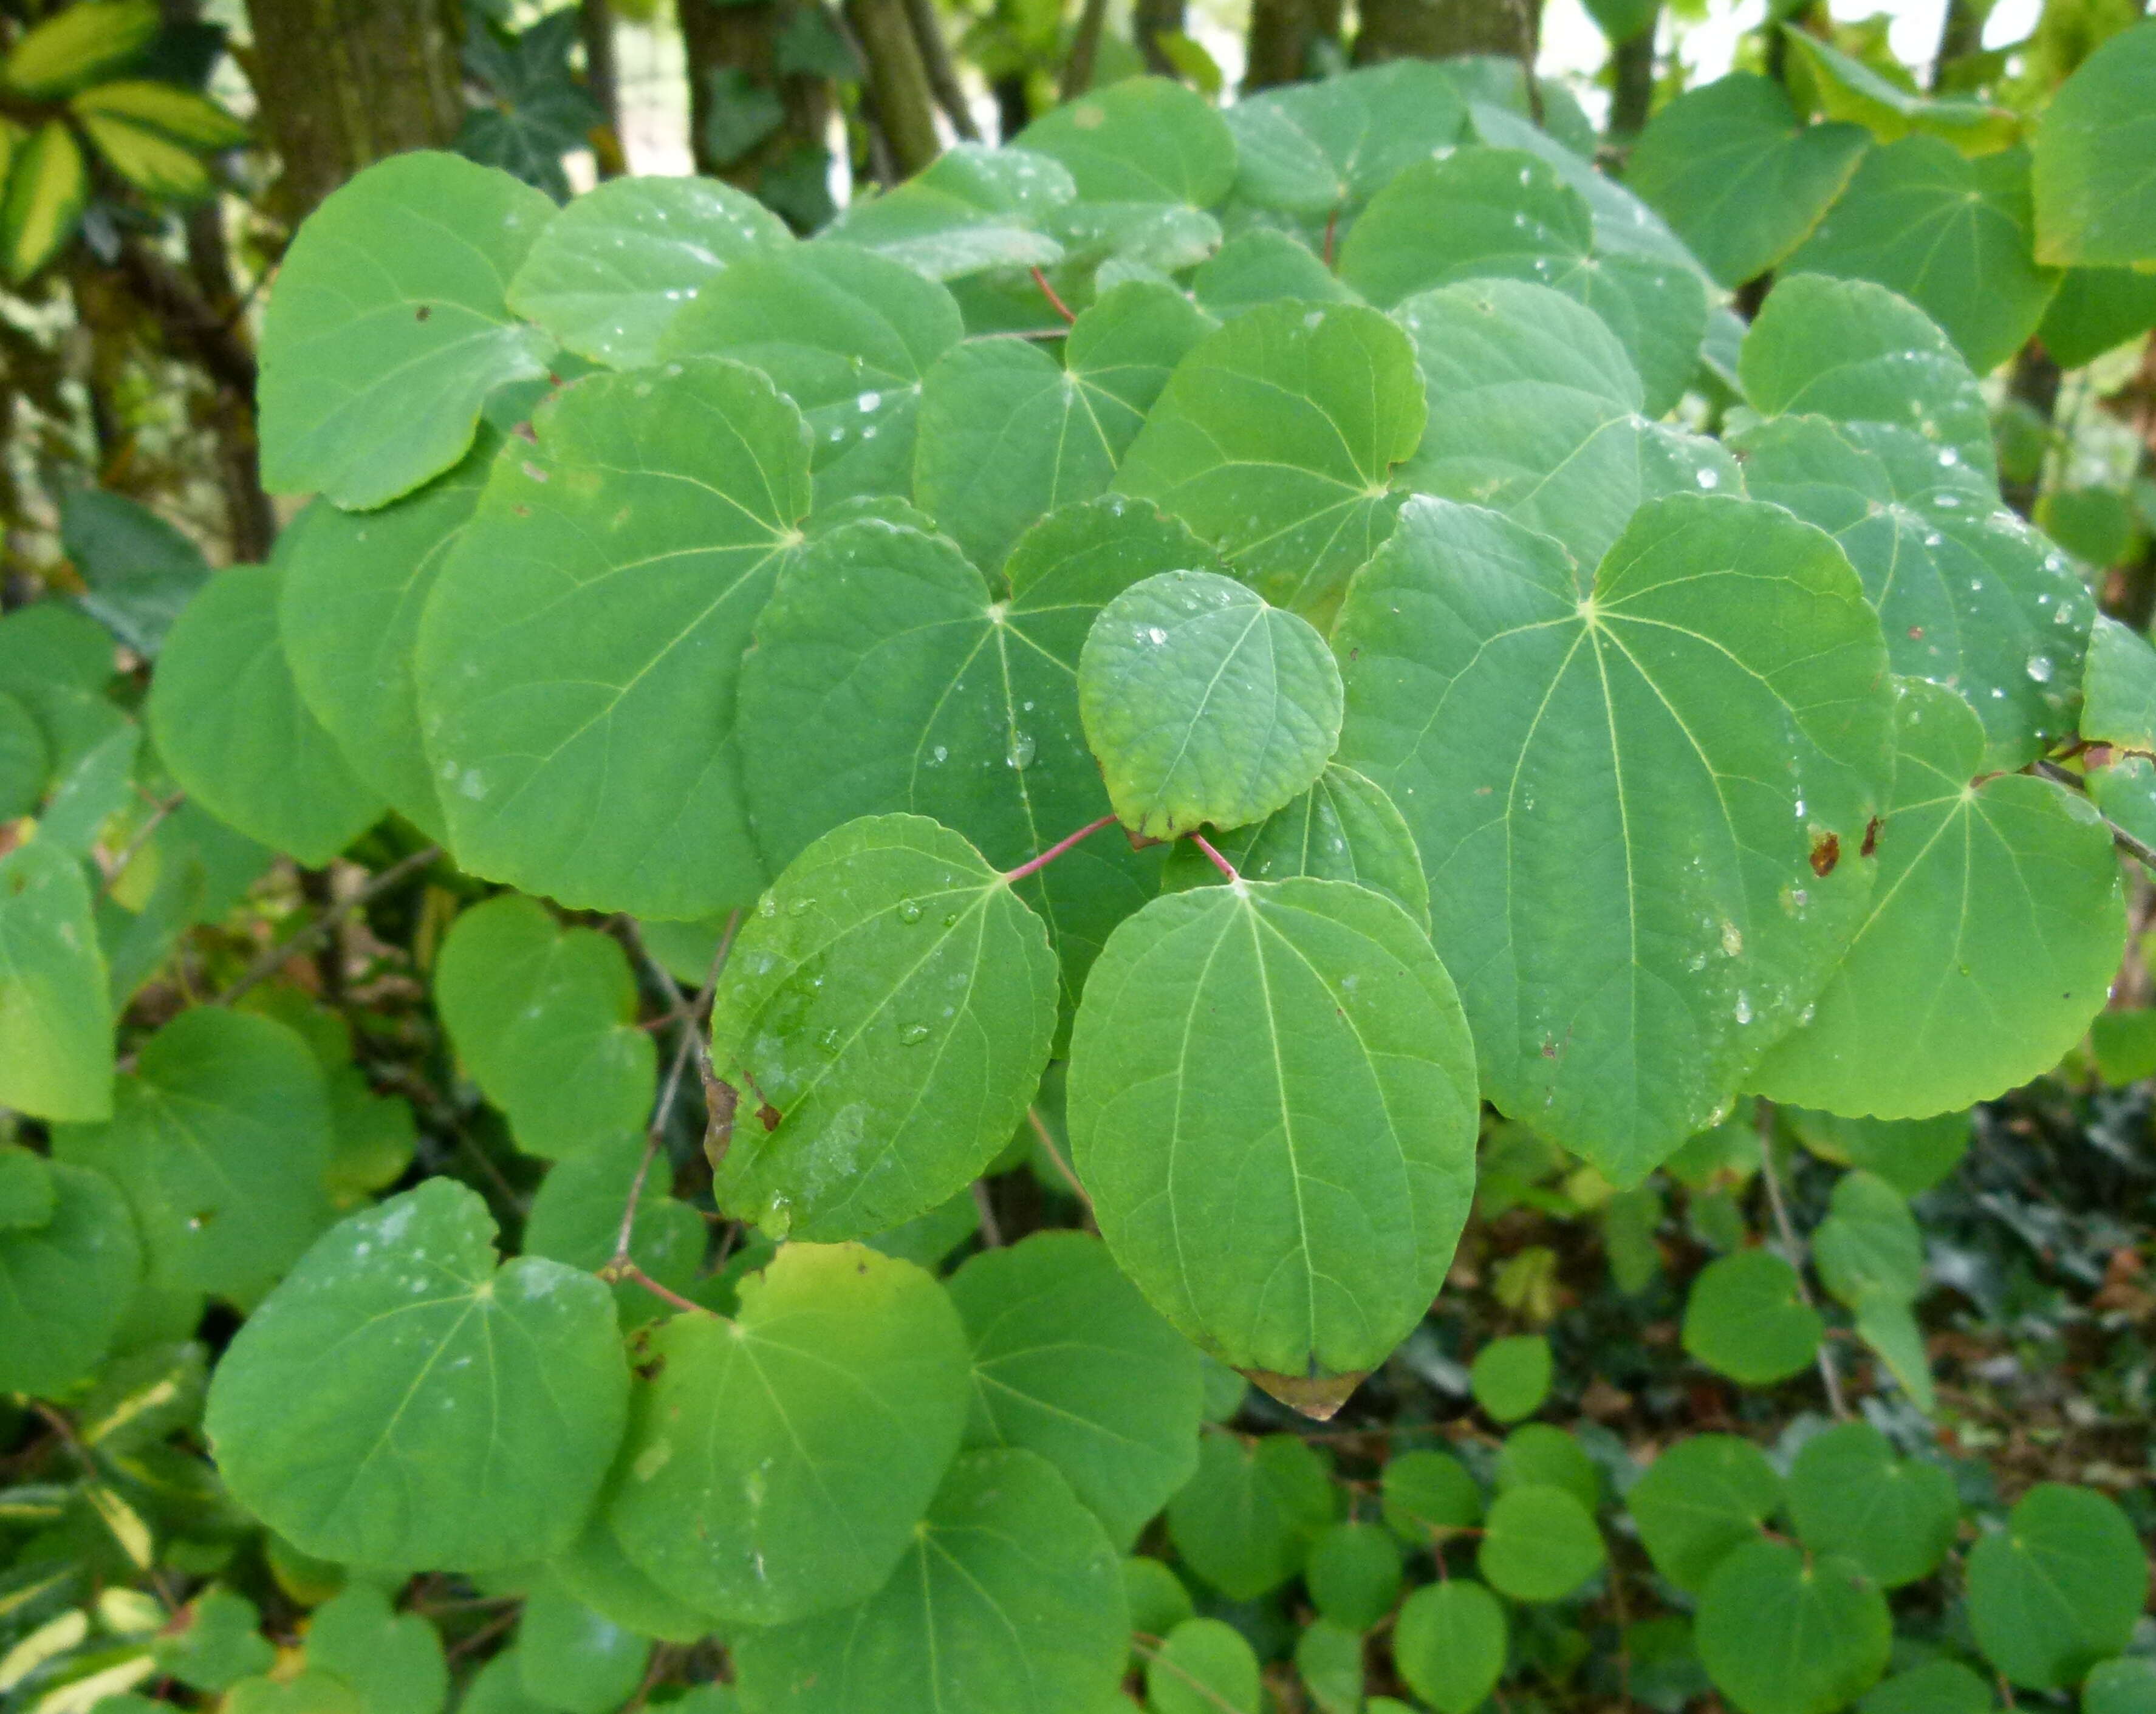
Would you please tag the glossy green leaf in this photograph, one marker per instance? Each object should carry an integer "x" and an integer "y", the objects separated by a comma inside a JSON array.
[
  {"x": 1009, "y": 1600},
  {"x": 576, "y": 1217},
  {"x": 887, "y": 677},
  {"x": 1746, "y": 1318},
  {"x": 1071, "y": 1363},
  {"x": 1246, "y": 1520},
  {"x": 971, "y": 208},
  {"x": 847, "y": 336},
  {"x": 2095, "y": 158},
  {"x": 1449, "y": 1644},
  {"x": 1143, "y": 140},
  {"x": 402, "y": 1402},
  {"x": 1851, "y": 1495},
  {"x": 544, "y": 1018},
  {"x": 1968, "y": 595},
  {"x": 1311, "y": 148},
  {"x": 1950, "y": 234},
  {"x": 1271, "y": 1102},
  {"x": 1261, "y": 265},
  {"x": 1426, "y": 1492},
  {"x": 1699, "y": 1499},
  {"x": 1353, "y": 1572},
  {"x": 1724, "y": 653},
  {"x": 1204, "y": 704},
  {"x": 1344, "y": 828},
  {"x": 610, "y": 271},
  {"x": 1623, "y": 223},
  {"x": 1853, "y": 351},
  {"x": 889, "y": 1007},
  {"x": 1486, "y": 213},
  {"x": 351, "y": 591},
  {"x": 1783, "y": 1634},
  {"x": 1739, "y": 175},
  {"x": 1992, "y": 934},
  {"x": 1535, "y": 412},
  {"x": 220, "y": 1139},
  {"x": 575, "y": 1659},
  {"x": 1510, "y": 1376},
  {"x": 777, "y": 1464},
  {"x": 66, "y": 1281},
  {"x": 1868, "y": 1242},
  {"x": 2119, "y": 688},
  {"x": 579, "y": 655},
  {"x": 395, "y": 1661},
  {"x": 230, "y": 722},
  {"x": 55, "y": 1015},
  {"x": 1275, "y": 438},
  {"x": 1538, "y": 1543},
  {"x": 2059, "y": 1589},
  {"x": 1848, "y": 89},
  {"x": 388, "y": 327}
]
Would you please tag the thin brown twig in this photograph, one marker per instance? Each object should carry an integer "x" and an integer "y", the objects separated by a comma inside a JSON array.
[
  {"x": 1219, "y": 862},
  {"x": 2140, "y": 852},
  {"x": 1793, "y": 1252},
  {"x": 1156, "y": 1655},
  {"x": 271, "y": 961},
  {"x": 1063, "y": 844},
  {"x": 629, "y": 1270},
  {"x": 143, "y": 834},
  {"x": 992, "y": 1234},
  {"x": 1048, "y": 1142},
  {"x": 1055, "y": 302}
]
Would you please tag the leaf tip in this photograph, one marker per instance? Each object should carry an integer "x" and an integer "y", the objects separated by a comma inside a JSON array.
[{"x": 1317, "y": 1397}]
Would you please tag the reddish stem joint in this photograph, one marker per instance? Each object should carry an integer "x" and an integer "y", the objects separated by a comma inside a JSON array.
[
  {"x": 1048, "y": 292},
  {"x": 1059, "y": 846}
]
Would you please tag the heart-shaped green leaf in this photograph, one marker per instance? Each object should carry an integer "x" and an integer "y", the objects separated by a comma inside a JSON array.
[
  {"x": 55, "y": 1011},
  {"x": 2095, "y": 158},
  {"x": 66, "y": 1281}
]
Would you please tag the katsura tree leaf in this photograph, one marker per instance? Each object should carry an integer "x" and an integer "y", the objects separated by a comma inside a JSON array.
[
  {"x": 220, "y": 1138},
  {"x": 1261, "y": 265},
  {"x": 351, "y": 587},
  {"x": 1159, "y": 1602},
  {"x": 1850, "y": 1495},
  {"x": 777, "y": 1464},
  {"x": 2119, "y": 688},
  {"x": 1623, "y": 223},
  {"x": 2126, "y": 1686},
  {"x": 401, "y": 1402},
  {"x": 847, "y": 336},
  {"x": 1854, "y": 350},
  {"x": 886, "y": 1014},
  {"x": 579, "y": 655},
  {"x": 1344, "y": 828},
  {"x": 2096, "y": 310},
  {"x": 1692, "y": 746},
  {"x": 1275, "y": 439},
  {"x": 1353, "y": 1571},
  {"x": 2059, "y": 1589},
  {"x": 27, "y": 1196},
  {"x": 1328, "y": 1659},
  {"x": 609, "y": 272},
  {"x": 1700, "y": 1499},
  {"x": 1992, "y": 937},
  {"x": 2096, "y": 159},
  {"x": 1069, "y": 1362},
  {"x": 1968, "y": 595},
  {"x": 544, "y": 1018},
  {"x": 1511, "y": 1378},
  {"x": 141, "y": 571},
  {"x": 576, "y": 1217},
  {"x": 1536, "y": 413},
  {"x": 1009, "y": 1600},
  {"x": 1311, "y": 148},
  {"x": 1008, "y": 436},
  {"x": 1848, "y": 89},
  {"x": 66, "y": 1281},
  {"x": 1738, "y": 174},
  {"x": 1204, "y": 704},
  {"x": 1272, "y": 1104},
  {"x": 221, "y": 1642},
  {"x": 1746, "y": 1318},
  {"x": 1538, "y": 1543},
  {"x": 972, "y": 209},
  {"x": 598, "y": 1573},
  {"x": 1449, "y": 1644},
  {"x": 887, "y": 659},
  {"x": 1868, "y": 1242},
  {"x": 1544, "y": 1454},
  {"x": 1780, "y": 1633},
  {"x": 388, "y": 327},
  {"x": 575, "y": 1659},
  {"x": 1426, "y": 1492},
  {"x": 1245, "y": 1521},
  {"x": 1912, "y": 1155},
  {"x": 1486, "y": 213},
  {"x": 1950, "y": 234},
  {"x": 56, "y": 663},
  {"x": 1203, "y": 1667},
  {"x": 1142, "y": 140},
  {"x": 1939, "y": 1686},
  {"x": 395, "y": 1661},
  {"x": 55, "y": 1011},
  {"x": 25, "y": 762},
  {"x": 229, "y": 723}
]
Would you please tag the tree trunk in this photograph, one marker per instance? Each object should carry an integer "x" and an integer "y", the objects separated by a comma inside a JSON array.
[
  {"x": 341, "y": 83},
  {"x": 1961, "y": 34},
  {"x": 603, "y": 79},
  {"x": 1632, "y": 91},
  {"x": 1285, "y": 40},
  {"x": 898, "y": 80},
  {"x": 1150, "y": 20},
  {"x": 745, "y": 38},
  {"x": 942, "y": 69},
  {"x": 2035, "y": 381},
  {"x": 1436, "y": 29}
]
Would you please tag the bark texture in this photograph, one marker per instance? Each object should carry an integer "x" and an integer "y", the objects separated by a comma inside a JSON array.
[{"x": 1436, "y": 29}]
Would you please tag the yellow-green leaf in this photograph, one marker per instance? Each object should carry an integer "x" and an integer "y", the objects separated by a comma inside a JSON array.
[
  {"x": 45, "y": 194},
  {"x": 71, "y": 47}
]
